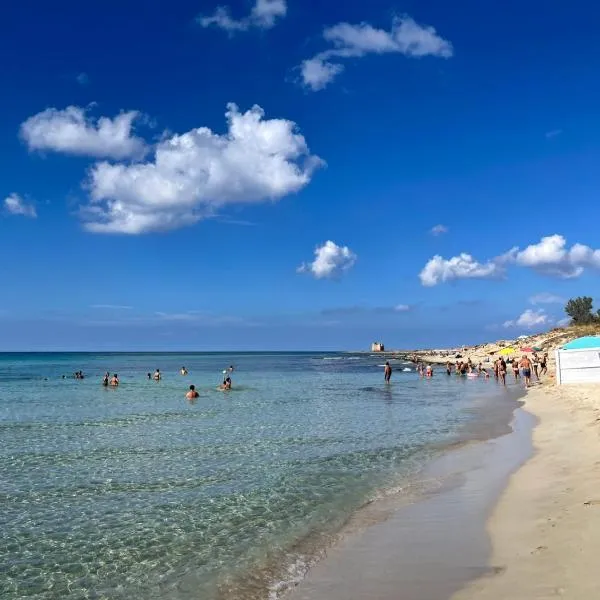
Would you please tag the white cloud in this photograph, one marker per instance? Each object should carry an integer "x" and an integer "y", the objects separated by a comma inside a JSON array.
[
  {"x": 529, "y": 319},
  {"x": 264, "y": 15},
  {"x": 82, "y": 79},
  {"x": 317, "y": 73},
  {"x": 440, "y": 270},
  {"x": 438, "y": 230},
  {"x": 551, "y": 257},
  {"x": 73, "y": 131},
  {"x": 330, "y": 261},
  {"x": 546, "y": 298},
  {"x": 553, "y": 133},
  {"x": 15, "y": 205},
  {"x": 405, "y": 37},
  {"x": 111, "y": 306},
  {"x": 402, "y": 308},
  {"x": 193, "y": 174},
  {"x": 564, "y": 322}
]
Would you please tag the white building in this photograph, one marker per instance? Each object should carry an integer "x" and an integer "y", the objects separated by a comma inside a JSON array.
[
  {"x": 579, "y": 361},
  {"x": 377, "y": 347}
]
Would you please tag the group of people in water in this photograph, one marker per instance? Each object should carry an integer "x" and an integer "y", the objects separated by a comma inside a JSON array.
[
  {"x": 108, "y": 381},
  {"x": 524, "y": 367},
  {"x": 536, "y": 364}
]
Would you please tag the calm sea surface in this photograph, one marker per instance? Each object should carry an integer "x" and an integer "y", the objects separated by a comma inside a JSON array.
[{"x": 136, "y": 493}]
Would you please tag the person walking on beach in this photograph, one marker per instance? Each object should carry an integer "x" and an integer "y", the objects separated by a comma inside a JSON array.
[
  {"x": 515, "y": 367},
  {"x": 502, "y": 371},
  {"x": 544, "y": 364},
  {"x": 526, "y": 366},
  {"x": 536, "y": 362},
  {"x": 387, "y": 371}
]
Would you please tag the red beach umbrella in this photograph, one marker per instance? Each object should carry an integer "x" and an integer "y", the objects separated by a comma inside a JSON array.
[{"x": 527, "y": 349}]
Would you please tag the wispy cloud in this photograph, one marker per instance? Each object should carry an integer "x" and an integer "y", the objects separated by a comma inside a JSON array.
[
  {"x": 82, "y": 79},
  {"x": 111, "y": 306},
  {"x": 264, "y": 15},
  {"x": 529, "y": 319},
  {"x": 15, "y": 205},
  {"x": 406, "y": 37},
  {"x": 438, "y": 230},
  {"x": 554, "y": 133},
  {"x": 546, "y": 298}
]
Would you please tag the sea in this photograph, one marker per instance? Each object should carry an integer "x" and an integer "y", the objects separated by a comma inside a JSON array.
[{"x": 136, "y": 492}]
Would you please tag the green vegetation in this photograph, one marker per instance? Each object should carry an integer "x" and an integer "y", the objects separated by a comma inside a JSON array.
[{"x": 581, "y": 311}]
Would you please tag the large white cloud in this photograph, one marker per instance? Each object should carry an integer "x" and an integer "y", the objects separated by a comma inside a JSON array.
[
  {"x": 550, "y": 256},
  {"x": 440, "y": 270},
  {"x": 263, "y": 15},
  {"x": 330, "y": 261},
  {"x": 192, "y": 174},
  {"x": 405, "y": 37},
  {"x": 15, "y": 205},
  {"x": 74, "y": 131},
  {"x": 529, "y": 319}
]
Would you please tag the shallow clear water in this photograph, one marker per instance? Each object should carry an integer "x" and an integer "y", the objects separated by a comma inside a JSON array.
[{"x": 136, "y": 493}]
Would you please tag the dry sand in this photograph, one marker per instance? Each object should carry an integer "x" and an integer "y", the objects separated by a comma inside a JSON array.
[{"x": 545, "y": 530}]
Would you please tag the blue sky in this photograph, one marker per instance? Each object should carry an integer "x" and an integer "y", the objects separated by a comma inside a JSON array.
[{"x": 306, "y": 223}]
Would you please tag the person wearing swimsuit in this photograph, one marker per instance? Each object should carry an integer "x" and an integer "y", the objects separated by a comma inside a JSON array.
[
  {"x": 387, "y": 372},
  {"x": 515, "y": 366},
  {"x": 544, "y": 364}
]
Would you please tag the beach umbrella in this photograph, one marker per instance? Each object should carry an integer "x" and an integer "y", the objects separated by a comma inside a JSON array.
[
  {"x": 527, "y": 349},
  {"x": 506, "y": 351},
  {"x": 537, "y": 349}
]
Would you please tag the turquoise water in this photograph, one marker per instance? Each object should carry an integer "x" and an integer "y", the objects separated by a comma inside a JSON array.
[{"x": 135, "y": 492}]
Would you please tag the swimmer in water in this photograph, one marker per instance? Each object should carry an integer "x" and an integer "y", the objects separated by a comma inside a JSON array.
[
  {"x": 387, "y": 372},
  {"x": 157, "y": 375},
  {"x": 226, "y": 385},
  {"x": 192, "y": 394},
  {"x": 105, "y": 380},
  {"x": 183, "y": 371},
  {"x": 115, "y": 380}
]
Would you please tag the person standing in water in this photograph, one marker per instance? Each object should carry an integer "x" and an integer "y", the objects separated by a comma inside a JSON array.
[
  {"x": 157, "y": 375},
  {"x": 526, "y": 366},
  {"x": 387, "y": 371},
  {"x": 192, "y": 394},
  {"x": 515, "y": 366},
  {"x": 502, "y": 371},
  {"x": 183, "y": 371},
  {"x": 115, "y": 380},
  {"x": 106, "y": 379}
]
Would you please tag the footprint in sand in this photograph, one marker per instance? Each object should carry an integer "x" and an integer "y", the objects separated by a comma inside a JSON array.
[
  {"x": 539, "y": 549},
  {"x": 591, "y": 503}
]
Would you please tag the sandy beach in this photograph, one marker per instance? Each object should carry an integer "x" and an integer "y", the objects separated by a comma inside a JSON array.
[{"x": 545, "y": 531}]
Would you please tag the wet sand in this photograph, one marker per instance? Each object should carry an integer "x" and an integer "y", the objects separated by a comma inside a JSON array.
[
  {"x": 431, "y": 548},
  {"x": 545, "y": 531}
]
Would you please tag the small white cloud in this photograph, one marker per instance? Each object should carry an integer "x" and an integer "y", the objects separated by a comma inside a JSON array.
[
  {"x": 529, "y": 319},
  {"x": 111, "y": 307},
  {"x": 553, "y": 133},
  {"x": 551, "y": 257},
  {"x": 405, "y": 37},
  {"x": 440, "y": 270},
  {"x": 330, "y": 261},
  {"x": 317, "y": 73},
  {"x": 194, "y": 174},
  {"x": 264, "y": 15},
  {"x": 438, "y": 230},
  {"x": 82, "y": 79},
  {"x": 402, "y": 308},
  {"x": 73, "y": 131},
  {"x": 15, "y": 205},
  {"x": 546, "y": 298},
  {"x": 564, "y": 322}
]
